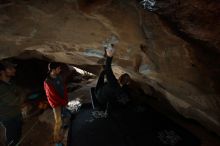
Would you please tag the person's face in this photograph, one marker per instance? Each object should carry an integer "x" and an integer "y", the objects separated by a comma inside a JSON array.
[
  {"x": 57, "y": 70},
  {"x": 10, "y": 71}
]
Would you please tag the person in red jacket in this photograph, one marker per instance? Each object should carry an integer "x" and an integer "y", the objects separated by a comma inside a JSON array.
[{"x": 57, "y": 96}]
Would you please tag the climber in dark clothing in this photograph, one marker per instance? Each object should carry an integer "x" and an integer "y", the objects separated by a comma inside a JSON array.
[{"x": 112, "y": 91}]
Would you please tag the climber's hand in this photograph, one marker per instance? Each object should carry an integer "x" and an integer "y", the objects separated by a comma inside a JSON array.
[{"x": 110, "y": 51}]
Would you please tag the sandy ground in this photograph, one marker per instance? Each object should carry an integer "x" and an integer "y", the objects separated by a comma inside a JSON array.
[{"x": 40, "y": 134}]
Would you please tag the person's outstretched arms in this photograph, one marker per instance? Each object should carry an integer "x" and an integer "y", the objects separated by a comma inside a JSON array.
[
  {"x": 100, "y": 81},
  {"x": 109, "y": 73}
]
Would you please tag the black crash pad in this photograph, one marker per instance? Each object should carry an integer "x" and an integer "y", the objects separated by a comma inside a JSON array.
[{"x": 128, "y": 126}]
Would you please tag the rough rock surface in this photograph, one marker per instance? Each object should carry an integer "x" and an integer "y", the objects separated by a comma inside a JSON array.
[
  {"x": 197, "y": 19},
  {"x": 180, "y": 60}
]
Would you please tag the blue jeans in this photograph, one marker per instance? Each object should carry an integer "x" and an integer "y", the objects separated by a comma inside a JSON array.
[{"x": 13, "y": 131}]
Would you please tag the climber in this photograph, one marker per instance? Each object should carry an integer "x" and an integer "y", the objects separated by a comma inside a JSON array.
[{"x": 111, "y": 92}]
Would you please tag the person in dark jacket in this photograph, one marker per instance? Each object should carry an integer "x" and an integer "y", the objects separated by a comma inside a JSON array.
[
  {"x": 56, "y": 92},
  {"x": 111, "y": 92},
  {"x": 10, "y": 104}
]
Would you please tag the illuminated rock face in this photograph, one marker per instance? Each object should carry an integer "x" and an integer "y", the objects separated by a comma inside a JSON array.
[{"x": 180, "y": 57}]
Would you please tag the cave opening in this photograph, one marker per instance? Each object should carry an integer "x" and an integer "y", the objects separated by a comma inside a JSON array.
[{"x": 31, "y": 72}]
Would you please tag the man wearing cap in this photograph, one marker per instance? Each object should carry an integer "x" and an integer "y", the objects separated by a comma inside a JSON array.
[
  {"x": 57, "y": 95},
  {"x": 10, "y": 104}
]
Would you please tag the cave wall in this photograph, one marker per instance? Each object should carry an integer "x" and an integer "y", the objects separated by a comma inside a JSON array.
[
  {"x": 197, "y": 19},
  {"x": 197, "y": 22},
  {"x": 180, "y": 58},
  {"x": 185, "y": 81}
]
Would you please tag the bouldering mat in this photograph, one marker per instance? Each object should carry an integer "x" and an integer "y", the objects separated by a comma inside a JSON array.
[{"x": 127, "y": 126}]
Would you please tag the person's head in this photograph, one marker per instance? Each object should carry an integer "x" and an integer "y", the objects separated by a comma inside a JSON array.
[
  {"x": 7, "y": 69},
  {"x": 124, "y": 79},
  {"x": 54, "y": 68}
]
